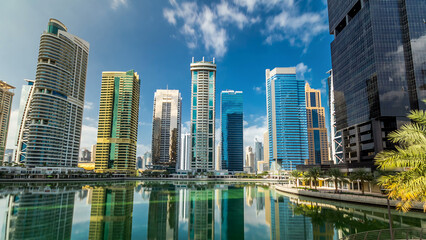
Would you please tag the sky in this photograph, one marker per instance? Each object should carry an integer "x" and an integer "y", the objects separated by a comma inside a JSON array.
[{"x": 158, "y": 40}]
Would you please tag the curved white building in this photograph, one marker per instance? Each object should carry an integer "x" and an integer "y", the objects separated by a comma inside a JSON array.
[{"x": 56, "y": 106}]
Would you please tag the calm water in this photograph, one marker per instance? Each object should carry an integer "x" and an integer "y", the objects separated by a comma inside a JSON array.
[{"x": 180, "y": 210}]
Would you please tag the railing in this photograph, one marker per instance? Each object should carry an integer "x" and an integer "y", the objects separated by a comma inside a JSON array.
[{"x": 398, "y": 234}]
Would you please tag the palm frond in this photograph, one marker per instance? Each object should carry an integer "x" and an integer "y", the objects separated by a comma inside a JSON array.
[{"x": 418, "y": 116}]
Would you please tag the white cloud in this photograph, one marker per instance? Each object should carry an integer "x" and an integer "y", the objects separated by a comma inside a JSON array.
[
  {"x": 117, "y": 3},
  {"x": 186, "y": 127},
  {"x": 255, "y": 131},
  {"x": 301, "y": 69},
  {"x": 13, "y": 129},
  {"x": 298, "y": 29},
  {"x": 88, "y": 105},
  {"x": 88, "y": 136},
  {"x": 210, "y": 22},
  {"x": 259, "y": 90},
  {"x": 141, "y": 149}
]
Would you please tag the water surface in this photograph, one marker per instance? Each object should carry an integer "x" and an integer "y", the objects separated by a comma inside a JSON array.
[{"x": 181, "y": 210}]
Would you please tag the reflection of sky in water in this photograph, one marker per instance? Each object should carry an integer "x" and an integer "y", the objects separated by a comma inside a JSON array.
[{"x": 167, "y": 211}]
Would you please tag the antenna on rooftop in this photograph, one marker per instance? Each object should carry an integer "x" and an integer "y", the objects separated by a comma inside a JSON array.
[
  {"x": 213, "y": 60},
  {"x": 203, "y": 59},
  {"x": 192, "y": 59}
]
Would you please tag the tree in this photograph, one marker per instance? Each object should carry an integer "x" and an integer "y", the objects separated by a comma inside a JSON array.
[
  {"x": 335, "y": 175},
  {"x": 296, "y": 175},
  {"x": 363, "y": 176},
  {"x": 408, "y": 163},
  {"x": 313, "y": 174}
]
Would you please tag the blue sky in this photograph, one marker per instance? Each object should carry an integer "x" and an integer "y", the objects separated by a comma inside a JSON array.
[{"x": 159, "y": 38}]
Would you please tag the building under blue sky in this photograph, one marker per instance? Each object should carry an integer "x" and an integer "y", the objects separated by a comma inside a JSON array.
[
  {"x": 231, "y": 119},
  {"x": 159, "y": 38},
  {"x": 287, "y": 122}
]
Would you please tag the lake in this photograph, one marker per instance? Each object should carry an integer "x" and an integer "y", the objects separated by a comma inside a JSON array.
[{"x": 181, "y": 210}]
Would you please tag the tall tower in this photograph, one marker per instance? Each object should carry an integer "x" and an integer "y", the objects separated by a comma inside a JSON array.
[
  {"x": 27, "y": 92},
  {"x": 379, "y": 62},
  {"x": 5, "y": 106},
  {"x": 118, "y": 122},
  {"x": 185, "y": 153},
  {"x": 317, "y": 132},
  {"x": 231, "y": 119},
  {"x": 56, "y": 108},
  {"x": 166, "y": 124},
  {"x": 287, "y": 124},
  {"x": 203, "y": 76}
]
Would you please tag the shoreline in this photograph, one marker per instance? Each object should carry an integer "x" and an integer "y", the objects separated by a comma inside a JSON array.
[
  {"x": 35, "y": 180},
  {"x": 351, "y": 198}
]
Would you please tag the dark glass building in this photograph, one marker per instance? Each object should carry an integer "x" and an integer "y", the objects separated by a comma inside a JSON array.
[
  {"x": 231, "y": 112},
  {"x": 379, "y": 66}
]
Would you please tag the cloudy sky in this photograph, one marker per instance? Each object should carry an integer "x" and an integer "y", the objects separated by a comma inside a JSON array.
[{"x": 159, "y": 38}]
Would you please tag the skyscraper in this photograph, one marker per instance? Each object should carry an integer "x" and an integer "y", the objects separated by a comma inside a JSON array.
[
  {"x": 317, "y": 132},
  {"x": 185, "y": 153},
  {"x": 203, "y": 75},
  {"x": 378, "y": 58},
  {"x": 231, "y": 119},
  {"x": 250, "y": 163},
  {"x": 287, "y": 124},
  {"x": 264, "y": 164},
  {"x": 5, "y": 106},
  {"x": 93, "y": 153},
  {"x": 27, "y": 92},
  {"x": 166, "y": 124},
  {"x": 258, "y": 151},
  {"x": 118, "y": 122},
  {"x": 56, "y": 108},
  {"x": 336, "y": 137}
]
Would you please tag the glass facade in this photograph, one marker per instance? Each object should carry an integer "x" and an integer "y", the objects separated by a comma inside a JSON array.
[
  {"x": 231, "y": 118},
  {"x": 203, "y": 115},
  {"x": 287, "y": 123},
  {"x": 378, "y": 59}
]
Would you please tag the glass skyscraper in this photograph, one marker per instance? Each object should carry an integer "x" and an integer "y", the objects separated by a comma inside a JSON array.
[
  {"x": 203, "y": 75},
  {"x": 118, "y": 123},
  {"x": 56, "y": 109},
  {"x": 379, "y": 63},
  {"x": 287, "y": 124},
  {"x": 166, "y": 125},
  {"x": 231, "y": 118},
  {"x": 317, "y": 132}
]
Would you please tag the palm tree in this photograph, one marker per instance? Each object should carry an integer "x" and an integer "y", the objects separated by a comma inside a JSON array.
[
  {"x": 363, "y": 176},
  {"x": 407, "y": 161},
  {"x": 313, "y": 174},
  {"x": 335, "y": 175},
  {"x": 296, "y": 175}
]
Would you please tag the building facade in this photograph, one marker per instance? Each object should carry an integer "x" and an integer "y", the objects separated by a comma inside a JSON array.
[
  {"x": 250, "y": 160},
  {"x": 287, "y": 124},
  {"x": 232, "y": 141},
  {"x": 85, "y": 155},
  {"x": 118, "y": 123},
  {"x": 317, "y": 132},
  {"x": 55, "y": 113},
  {"x": 378, "y": 58},
  {"x": 166, "y": 125},
  {"x": 6, "y": 97},
  {"x": 185, "y": 153},
  {"x": 203, "y": 75},
  {"x": 258, "y": 151},
  {"x": 27, "y": 92}
]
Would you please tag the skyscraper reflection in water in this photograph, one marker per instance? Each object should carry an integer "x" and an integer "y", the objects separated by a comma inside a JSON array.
[
  {"x": 43, "y": 213},
  {"x": 163, "y": 213},
  {"x": 112, "y": 212}
]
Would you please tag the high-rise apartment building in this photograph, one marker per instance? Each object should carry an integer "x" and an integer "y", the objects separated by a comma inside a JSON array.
[
  {"x": 185, "y": 153},
  {"x": 378, "y": 59},
  {"x": 250, "y": 161},
  {"x": 166, "y": 125},
  {"x": 6, "y": 97},
  {"x": 27, "y": 92},
  {"x": 218, "y": 161},
  {"x": 317, "y": 132},
  {"x": 287, "y": 124},
  {"x": 118, "y": 122},
  {"x": 258, "y": 151},
  {"x": 55, "y": 113},
  {"x": 231, "y": 119},
  {"x": 93, "y": 153},
  {"x": 203, "y": 75}
]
